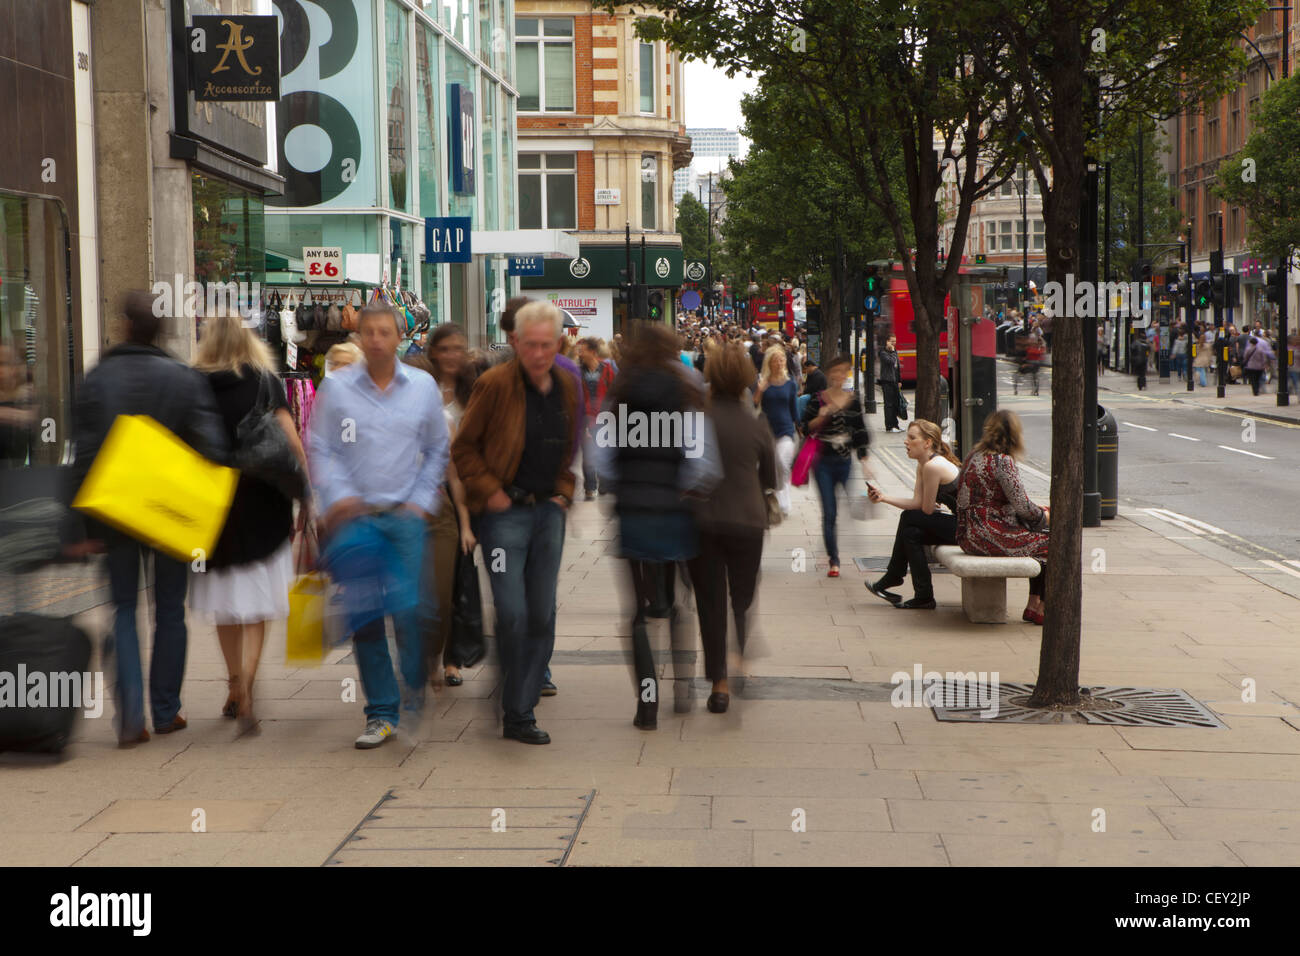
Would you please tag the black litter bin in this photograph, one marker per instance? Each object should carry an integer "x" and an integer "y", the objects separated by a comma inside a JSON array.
[{"x": 1107, "y": 462}]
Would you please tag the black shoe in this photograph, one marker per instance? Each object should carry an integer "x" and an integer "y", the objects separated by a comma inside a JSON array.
[
  {"x": 549, "y": 689},
  {"x": 453, "y": 680},
  {"x": 718, "y": 702},
  {"x": 647, "y": 715},
  {"x": 919, "y": 604},
  {"x": 589, "y": 496},
  {"x": 526, "y": 733},
  {"x": 878, "y": 588}
]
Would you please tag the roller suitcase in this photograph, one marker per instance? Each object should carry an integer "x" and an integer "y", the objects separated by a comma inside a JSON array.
[{"x": 45, "y": 681}]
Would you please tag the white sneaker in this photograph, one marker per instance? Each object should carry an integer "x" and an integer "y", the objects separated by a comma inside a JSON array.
[{"x": 377, "y": 731}]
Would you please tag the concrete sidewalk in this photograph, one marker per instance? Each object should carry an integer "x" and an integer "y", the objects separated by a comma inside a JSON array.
[{"x": 813, "y": 739}]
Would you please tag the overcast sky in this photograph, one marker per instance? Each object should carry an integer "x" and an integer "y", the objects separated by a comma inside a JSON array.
[{"x": 712, "y": 99}]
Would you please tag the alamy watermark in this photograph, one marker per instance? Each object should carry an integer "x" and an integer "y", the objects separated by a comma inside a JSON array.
[
  {"x": 955, "y": 690},
  {"x": 179, "y": 297},
  {"x": 1088, "y": 300},
  {"x": 637, "y": 429},
  {"x": 59, "y": 689}
]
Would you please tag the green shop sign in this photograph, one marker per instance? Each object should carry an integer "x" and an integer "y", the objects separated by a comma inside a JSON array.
[{"x": 598, "y": 267}]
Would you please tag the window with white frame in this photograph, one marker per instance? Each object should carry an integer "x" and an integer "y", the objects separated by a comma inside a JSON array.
[
  {"x": 548, "y": 191},
  {"x": 1004, "y": 227},
  {"x": 649, "y": 190},
  {"x": 648, "y": 77},
  {"x": 544, "y": 64},
  {"x": 1040, "y": 234}
]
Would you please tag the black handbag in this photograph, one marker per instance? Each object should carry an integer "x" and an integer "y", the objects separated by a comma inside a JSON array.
[
  {"x": 262, "y": 449},
  {"x": 271, "y": 327},
  {"x": 467, "y": 643},
  {"x": 902, "y": 406}
]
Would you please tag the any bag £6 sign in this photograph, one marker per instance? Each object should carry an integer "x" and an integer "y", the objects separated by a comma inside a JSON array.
[{"x": 322, "y": 263}]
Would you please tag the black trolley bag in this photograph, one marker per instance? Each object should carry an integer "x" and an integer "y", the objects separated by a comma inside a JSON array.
[{"x": 35, "y": 644}]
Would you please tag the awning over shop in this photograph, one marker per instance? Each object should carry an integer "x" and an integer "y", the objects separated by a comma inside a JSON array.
[{"x": 548, "y": 243}]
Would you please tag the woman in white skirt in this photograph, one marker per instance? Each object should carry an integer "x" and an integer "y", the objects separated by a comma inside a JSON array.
[
  {"x": 776, "y": 395},
  {"x": 247, "y": 577}
]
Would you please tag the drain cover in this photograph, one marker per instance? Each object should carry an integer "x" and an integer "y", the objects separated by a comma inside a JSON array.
[{"x": 1103, "y": 706}]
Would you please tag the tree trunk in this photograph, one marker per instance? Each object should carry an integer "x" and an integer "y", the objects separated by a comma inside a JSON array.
[
  {"x": 1058, "y": 659},
  {"x": 829, "y": 345}
]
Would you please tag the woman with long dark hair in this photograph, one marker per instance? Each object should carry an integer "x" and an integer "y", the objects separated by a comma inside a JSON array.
[
  {"x": 732, "y": 519},
  {"x": 451, "y": 538},
  {"x": 921, "y": 522},
  {"x": 833, "y": 418},
  {"x": 994, "y": 515},
  {"x": 651, "y": 478}
]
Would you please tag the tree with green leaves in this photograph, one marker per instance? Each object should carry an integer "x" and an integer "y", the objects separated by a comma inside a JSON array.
[
  {"x": 693, "y": 227},
  {"x": 882, "y": 86},
  {"x": 1161, "y": 220},
  {"x": 791, "y": 205},
  {"x": 1264, "y": 178},
  {"x": 1068, "y": 68}
]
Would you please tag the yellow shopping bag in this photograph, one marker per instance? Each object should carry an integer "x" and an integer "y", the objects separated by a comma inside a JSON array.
[
  {"x": 306, "y": 629},
  {"x": 148, "y": 483}
]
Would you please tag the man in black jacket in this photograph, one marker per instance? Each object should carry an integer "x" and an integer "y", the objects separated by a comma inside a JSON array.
[
  {"x": 138, "y": 378},
  {"x": 889, "y": 380}
]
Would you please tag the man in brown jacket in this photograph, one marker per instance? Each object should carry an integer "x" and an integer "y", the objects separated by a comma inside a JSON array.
[{"x": 513, "y": 452}]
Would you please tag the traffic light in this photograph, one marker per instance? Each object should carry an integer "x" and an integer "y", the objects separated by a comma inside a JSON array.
[
  {"x": 1142, "y": 270},
  {"x": 1217, "y": 290},
  {"x": 1203, "y": 295},
  {"x": 872, "y": 288},
  {"x": 625, "y": 286},
  {"x": 640, "y": 302},
  {"x": 1232, "y": 290},
  {"x": 655, "y": 305},
  {"x": 1274, "y": 284},
  {"x": 1184, "y": 293}
]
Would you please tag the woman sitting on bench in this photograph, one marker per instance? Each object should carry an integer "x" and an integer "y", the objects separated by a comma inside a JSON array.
[
  {"x": 921, "y": 522},
  {"x": 995, "y": 517}
]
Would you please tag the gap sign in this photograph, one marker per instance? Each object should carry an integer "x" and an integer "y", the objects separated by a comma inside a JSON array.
[
  {"x": 447, "y": 239},
  {"x": 526, "y": 266}
]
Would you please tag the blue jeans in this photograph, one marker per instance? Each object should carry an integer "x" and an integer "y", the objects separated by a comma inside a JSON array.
[
  {"x": 524, "y": 574},
  {"x": 1200, "y": 375},
  {"x": 396, "y": 540},
  {"x": 828, "y": 471},
  {"x": 167, "y": 668}
]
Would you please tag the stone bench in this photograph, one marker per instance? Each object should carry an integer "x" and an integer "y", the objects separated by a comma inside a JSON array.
[{"x": 984, "y": 581}]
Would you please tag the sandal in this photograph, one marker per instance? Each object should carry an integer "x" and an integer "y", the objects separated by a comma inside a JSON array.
[{"x": 231, "y": 707}]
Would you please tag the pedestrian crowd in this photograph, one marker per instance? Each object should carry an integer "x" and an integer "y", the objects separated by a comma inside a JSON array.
[{"x": 411, "y": 463}]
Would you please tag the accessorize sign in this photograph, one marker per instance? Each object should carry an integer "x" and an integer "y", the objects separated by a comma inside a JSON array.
[{"x": 234, "y": 58}]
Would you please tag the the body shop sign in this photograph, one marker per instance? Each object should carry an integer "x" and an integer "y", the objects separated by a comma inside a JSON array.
[{"x": 592, "y": 308}]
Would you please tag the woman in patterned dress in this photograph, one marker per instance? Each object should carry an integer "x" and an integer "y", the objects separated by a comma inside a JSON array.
[{"x": 995, "y": 517}]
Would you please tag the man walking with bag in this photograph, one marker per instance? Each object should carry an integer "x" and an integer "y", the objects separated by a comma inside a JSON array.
[
  {"x": 138, "y": 378},
  {"x": 378, "y": 449},
  {"x": 512, "y": 452}
]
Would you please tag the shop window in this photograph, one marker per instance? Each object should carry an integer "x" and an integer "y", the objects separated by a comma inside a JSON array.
[
  {"x": 36, "y": 337},
  {"x": 544, "y": 64},
  {"x": 548, "y": 191}
]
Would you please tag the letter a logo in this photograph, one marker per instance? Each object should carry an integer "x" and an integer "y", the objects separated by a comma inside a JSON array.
[{"x": 237, "y": 44}]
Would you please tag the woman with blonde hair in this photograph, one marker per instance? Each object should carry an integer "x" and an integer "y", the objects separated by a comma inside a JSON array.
[
  {"x": 342, "y": 355},
  {"x": 776, "y": 394},
  {"x": 921, "y": 522},
  {"x": 247, "y": 577},
  {"x": 994, "y": 515}
]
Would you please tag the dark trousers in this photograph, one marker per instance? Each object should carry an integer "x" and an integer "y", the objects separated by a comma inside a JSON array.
[
  {"x": 531, "y": 542},
  {"x": 1140, "y": 367},
  {"x": 727, "y": 562},
  {"x": 916, "y": 529},
  {"x": 654, "y": 592},
  {"x": 891, "y": 403},
  {"x": 828, "y": 471},
  {"x": 167, "y": 667},
  {"x": 1253, "y": 376}
]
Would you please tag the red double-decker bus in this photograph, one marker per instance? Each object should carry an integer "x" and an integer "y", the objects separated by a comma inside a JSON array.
[{"x": 896, "y": 316}]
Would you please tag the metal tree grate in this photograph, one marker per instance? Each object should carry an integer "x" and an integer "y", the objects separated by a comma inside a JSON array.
[{"x": 1102, "y": 706}]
